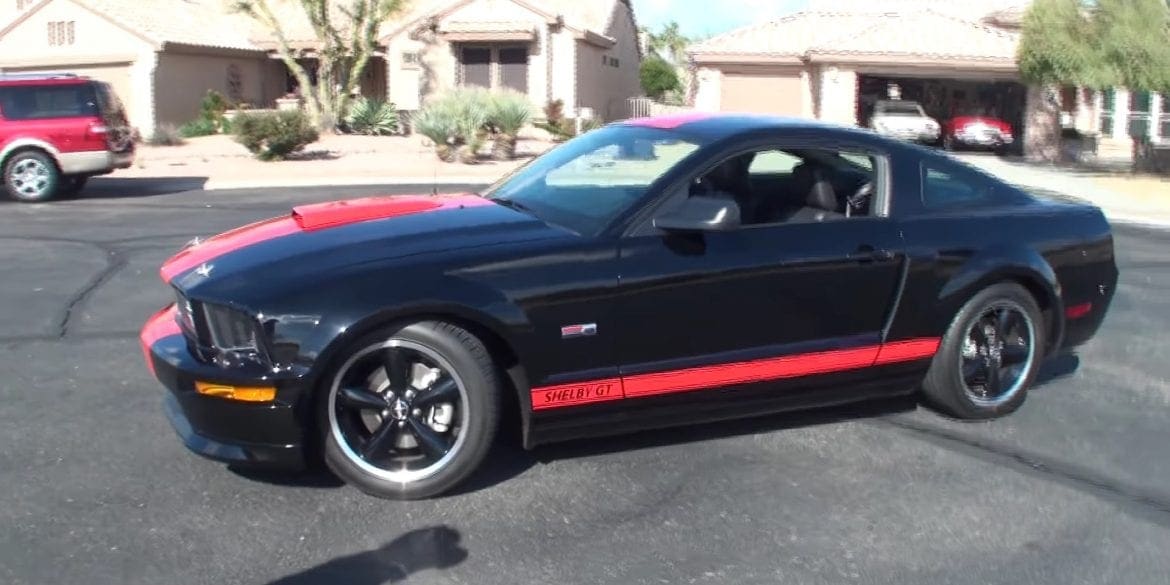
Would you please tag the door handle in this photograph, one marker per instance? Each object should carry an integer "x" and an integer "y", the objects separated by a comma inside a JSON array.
[{"x": 867, "y": 253}]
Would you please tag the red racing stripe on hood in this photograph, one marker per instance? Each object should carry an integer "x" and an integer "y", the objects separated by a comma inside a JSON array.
[{"x": 317, "y": 216}]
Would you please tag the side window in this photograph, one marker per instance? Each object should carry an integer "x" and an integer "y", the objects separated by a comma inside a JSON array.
[
  {"x": 942, "y": 189},
  {"x": 795, "y": 185},
  {"x": 771, "y": 162}
]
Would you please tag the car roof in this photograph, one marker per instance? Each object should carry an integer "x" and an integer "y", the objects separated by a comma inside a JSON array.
[
  {"x": 719, "y": 125},
  {"x": 26, "y": 79}
]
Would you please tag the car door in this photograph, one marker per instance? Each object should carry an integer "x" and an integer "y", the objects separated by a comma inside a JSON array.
[{"x": 782, "y": 301}]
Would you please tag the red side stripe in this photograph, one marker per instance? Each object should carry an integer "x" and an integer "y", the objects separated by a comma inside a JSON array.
[
  {"x": 905, "y": 351},
  {"x": 719, "y": 375},
  {"x": 746, "y": 372}
]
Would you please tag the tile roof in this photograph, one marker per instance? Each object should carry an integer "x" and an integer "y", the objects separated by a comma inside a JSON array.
[
  {"x": 204, "y": 23},
  {"x": 926, "y": 34}
]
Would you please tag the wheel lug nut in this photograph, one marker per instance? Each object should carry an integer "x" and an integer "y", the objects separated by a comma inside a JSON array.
[
  {"x": 416, "y": 412},
  {"x": 401, "y": 423}
]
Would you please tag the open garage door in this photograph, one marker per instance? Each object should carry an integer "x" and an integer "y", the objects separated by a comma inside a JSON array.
[
  {"x": 946, "y": 98},
  {"x": 115, "y": 74},
  {"x": 765, "y": 90}
]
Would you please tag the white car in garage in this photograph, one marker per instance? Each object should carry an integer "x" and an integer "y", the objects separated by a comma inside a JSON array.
[{"x": 905, "y": 120}]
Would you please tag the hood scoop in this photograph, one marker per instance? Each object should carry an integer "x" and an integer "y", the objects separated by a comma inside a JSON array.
[{"x": 336, "y": 213}]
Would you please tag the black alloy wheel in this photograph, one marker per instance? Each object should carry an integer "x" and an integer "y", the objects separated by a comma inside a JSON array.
[
  {"x": 413, "y": 413},
  {"x": 989, "y": 356}
]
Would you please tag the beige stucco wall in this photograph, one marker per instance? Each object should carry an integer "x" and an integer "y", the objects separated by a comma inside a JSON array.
[
  {"x": 605, "y": 88},
  {"x": 181, "y": 80},
  {"x": 709, "y": 90}
]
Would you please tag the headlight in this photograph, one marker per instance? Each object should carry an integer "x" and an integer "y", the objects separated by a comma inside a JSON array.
[{"x": 232, "y": 330}]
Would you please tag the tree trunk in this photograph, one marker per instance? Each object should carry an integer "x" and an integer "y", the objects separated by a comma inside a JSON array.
[{"x": 1041, "y": 126}]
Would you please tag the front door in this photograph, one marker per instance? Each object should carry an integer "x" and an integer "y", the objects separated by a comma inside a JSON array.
[{"x": 803, "y": 288}]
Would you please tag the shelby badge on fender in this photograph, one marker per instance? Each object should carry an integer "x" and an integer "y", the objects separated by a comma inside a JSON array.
[{"x": 652, "y": 272}]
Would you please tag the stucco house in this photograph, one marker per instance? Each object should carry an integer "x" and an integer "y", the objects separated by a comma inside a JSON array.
[
  {"x": 834, "y": 60},
  {"x": 163, "y": 56}
]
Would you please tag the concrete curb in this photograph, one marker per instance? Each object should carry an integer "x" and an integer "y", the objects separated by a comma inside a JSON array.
[{"x": 227, "y": 185}]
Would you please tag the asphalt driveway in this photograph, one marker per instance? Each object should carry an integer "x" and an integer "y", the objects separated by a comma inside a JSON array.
[{"x": 95, "y": 488}]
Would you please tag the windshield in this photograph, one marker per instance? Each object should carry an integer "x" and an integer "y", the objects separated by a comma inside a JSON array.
[
  {"x": 899, "y": 108},
  {"x": 589, "y": 181}
]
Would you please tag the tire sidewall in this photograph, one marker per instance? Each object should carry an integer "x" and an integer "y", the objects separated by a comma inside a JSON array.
[
  {"x": 54, "y": 176},
  {"x": 482, "y": 389},
  {"x": 946, "y": 386}
]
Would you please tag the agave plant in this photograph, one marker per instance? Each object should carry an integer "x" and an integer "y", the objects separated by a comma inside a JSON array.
[
  {"x": 472, "y": 113},
  {"x": 438, "y": 121},
  {"x": 372, "y": 117},
  {"x": 510, "y": 112}
]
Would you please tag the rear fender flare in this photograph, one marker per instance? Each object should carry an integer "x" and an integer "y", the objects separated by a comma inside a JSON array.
[{"x": 1006, "y": 264}]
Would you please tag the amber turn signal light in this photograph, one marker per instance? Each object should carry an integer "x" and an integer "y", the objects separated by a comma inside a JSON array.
[{"x": 241, "y": 393}]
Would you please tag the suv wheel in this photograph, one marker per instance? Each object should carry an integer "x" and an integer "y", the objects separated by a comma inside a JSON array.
[{"x": 31, "y": 176}]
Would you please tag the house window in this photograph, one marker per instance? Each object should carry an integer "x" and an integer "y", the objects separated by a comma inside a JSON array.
[
  {"x": 410, "y": 59},
  {"x": 495, "y": 67},
  {"x": 60, "y": 33}
]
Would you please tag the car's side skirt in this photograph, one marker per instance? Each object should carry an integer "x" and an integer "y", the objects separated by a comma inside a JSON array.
[
  {"x": 651, "y": 396},
  {"x": 726, "y": 403},
  {"x": 636, "y": 383}
]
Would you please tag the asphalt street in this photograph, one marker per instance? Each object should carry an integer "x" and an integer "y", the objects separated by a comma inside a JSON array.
[{"x": 95, "y": 488}]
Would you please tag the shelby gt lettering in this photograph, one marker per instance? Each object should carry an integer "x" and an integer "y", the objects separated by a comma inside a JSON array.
[{"x": 650, "y": 273}]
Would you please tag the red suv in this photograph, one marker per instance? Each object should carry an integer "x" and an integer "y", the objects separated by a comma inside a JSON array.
[{"x": 57, "y": 131}]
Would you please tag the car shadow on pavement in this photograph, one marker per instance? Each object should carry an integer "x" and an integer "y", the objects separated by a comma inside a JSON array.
[
  {"x": 437, "y": 547},
  {"x": 697, "y": 433},
  {"x": 122, "y": 188}
]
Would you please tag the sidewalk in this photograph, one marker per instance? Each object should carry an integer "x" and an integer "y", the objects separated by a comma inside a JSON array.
[
  {"x": 1122, "y": 196},
  {"x": 221, "y": 163}
]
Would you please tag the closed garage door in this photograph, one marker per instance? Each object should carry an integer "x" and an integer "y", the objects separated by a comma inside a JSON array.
[
  {"x": 115, "y": 74},
  {"x": 763, "y": 91}
]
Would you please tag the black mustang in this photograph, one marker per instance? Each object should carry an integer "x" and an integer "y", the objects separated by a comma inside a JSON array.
[{"x": 649, "y": 273}]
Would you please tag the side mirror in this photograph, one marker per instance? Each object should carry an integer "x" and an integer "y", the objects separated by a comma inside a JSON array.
[{"x": 701, "y": 214}]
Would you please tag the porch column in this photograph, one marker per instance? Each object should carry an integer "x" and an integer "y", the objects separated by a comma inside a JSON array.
[
  {"x": 1156, "y": 103},
  {"x": 1083, "y": 117},
  {"x": 1120, "y": 114},
  {"x": 1098, "y": 110}
]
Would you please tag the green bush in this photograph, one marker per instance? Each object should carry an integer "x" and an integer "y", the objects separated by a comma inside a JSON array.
[
  {"x": 372, "y": 117},
  {"x": 658, "y": 77},
  {"x": 212, "y": 108},
  {"x": 274, "y": 135},
  {"x": 198, "y": 127}
]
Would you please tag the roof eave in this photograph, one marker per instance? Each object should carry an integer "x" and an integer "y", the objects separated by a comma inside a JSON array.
[
  {"x": 740, "y": 58},
  {"x": 596, "y": 39},
  {"x": 858, "y": 58}
]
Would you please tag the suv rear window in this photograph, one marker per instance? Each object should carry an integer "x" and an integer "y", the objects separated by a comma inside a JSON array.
[{"x": 39, "y": 102}]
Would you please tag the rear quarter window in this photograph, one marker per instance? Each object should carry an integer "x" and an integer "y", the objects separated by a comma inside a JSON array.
[
  {"x": 42, "y": 102},
  {"x": 945, "y": 187}
]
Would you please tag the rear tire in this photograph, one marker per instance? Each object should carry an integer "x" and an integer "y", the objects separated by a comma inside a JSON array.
[
  {"x": 430, "y": 444},
  {"x": 989, "y": 356},
  {"x": 31, "y": 176}
]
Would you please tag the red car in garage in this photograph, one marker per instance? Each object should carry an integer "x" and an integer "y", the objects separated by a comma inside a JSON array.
[{"x": 976, "y": 131}]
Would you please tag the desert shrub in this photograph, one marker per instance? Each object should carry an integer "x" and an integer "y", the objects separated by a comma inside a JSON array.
[
  {"x": 510, "y": 112},
  {"x": 198, "y": 127},
  {"x": 372, "y": 117},
  {"x": 563, "y": 128},
  {"x": 274, "y": 135},
  {"x": 212, "y": 108},
  {"x": 166, "y": 135},
  {"x": 456, "y": 122}
]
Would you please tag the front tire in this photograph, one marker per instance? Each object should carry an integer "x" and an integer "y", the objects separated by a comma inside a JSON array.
[
  {"x": 31, "y": 177},
  {"x": 411, "y": 412},
  {"x": 989, "y": 356}
]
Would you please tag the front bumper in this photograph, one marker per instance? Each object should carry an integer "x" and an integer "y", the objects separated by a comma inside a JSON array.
[
  {"x": 985, "y": 139},
  {"x": 266, "y": 434},
  {"x": 911, "y": 135}
]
